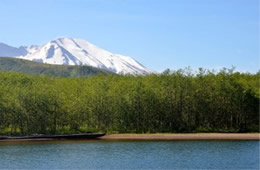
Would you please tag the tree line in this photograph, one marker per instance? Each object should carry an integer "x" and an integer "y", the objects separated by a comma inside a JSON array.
[{"x": 174, "y": 101}]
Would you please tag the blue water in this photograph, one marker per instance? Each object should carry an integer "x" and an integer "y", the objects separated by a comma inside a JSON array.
[{"x": 130, "y": 155}]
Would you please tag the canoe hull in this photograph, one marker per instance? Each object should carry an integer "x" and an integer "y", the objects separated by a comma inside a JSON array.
[{"x": 72, "y": 136}]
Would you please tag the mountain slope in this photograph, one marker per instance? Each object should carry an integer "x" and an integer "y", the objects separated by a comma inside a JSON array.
[
  {"x": 25, "y": 66},
  {"x": 68, "y": 51},
  {"x": 8, "y": 51}
]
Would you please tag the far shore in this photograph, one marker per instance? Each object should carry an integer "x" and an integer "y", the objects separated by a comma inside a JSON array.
[{"x": 166, "y": 137}]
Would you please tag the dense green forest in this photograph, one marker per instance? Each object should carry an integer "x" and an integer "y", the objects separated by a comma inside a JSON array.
[
  {"x": 175, "y": 101},
  {"x": 30, "y": 67}
]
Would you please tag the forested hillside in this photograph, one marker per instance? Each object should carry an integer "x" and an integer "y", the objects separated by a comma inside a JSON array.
[
  {"x": 171, "y": 102},
  {"x": 29, "y": 67}
]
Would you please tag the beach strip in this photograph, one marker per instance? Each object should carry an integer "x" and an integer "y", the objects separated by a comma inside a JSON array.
[
  {"x": 184, "y": 136},
  {"x": 162, "y": 137}
]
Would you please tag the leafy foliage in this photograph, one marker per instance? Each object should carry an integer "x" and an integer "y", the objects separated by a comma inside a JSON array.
[{"x": 177, "y": 101}]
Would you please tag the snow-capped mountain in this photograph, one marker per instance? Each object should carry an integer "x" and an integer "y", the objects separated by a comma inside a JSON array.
[{"x": 68, "y": 51}]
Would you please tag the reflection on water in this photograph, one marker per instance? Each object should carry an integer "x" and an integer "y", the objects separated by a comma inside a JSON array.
[{"x": 130, "y": 154}]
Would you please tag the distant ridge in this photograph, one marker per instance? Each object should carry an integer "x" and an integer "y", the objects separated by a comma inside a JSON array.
[
  {"x": 9, "y": 51},
  {"x": 29, "y": 67}
]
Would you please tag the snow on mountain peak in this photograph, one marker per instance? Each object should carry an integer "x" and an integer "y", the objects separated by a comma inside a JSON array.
[{"x": 70, "y": 51}]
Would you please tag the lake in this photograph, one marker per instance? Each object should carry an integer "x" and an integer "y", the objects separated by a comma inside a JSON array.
[{"x": 97, "y": 154}]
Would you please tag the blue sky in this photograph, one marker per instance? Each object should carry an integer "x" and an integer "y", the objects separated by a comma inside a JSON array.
[{"x": 159, "y": 34}]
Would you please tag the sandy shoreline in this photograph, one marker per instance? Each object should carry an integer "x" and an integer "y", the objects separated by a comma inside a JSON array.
[
  {"x": 184, "y": 136},
  {"x": 166, "y": 137}
]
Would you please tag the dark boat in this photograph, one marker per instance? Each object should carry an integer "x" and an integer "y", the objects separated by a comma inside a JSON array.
[
  {"x": 3, "y": 137},
  {"x": 72, "y": 136}
]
